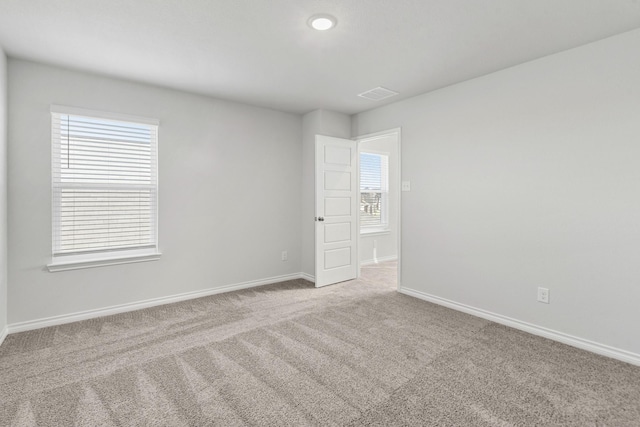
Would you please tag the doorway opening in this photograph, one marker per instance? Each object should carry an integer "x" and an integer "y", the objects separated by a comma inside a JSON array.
[
  {"x": 357, "y": 223},
  {"x": 379, "y": 207}
]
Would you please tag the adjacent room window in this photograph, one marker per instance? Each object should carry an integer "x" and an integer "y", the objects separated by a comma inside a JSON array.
[
  {"x": 104, "y": 185},
  {"x": 374, "y": 192}
]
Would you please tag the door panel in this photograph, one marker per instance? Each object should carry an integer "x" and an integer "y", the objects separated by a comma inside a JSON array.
[
  {"x": 337, "y": 155},
  {"x": 337, "y": 232},
  {"x": 337, "y": 180},
  {"x": 337, "y": 258},
  {"x": 336, "y": 210},
  {"x": 337, "y": 206}
]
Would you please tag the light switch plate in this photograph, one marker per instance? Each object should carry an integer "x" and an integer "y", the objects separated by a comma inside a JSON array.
[{"x": 406, "y": 185}]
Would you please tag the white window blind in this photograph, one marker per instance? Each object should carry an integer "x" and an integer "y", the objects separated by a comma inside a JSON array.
[
  {"x": 374, "y": 191},
  {"x": 104, "y": 184}
]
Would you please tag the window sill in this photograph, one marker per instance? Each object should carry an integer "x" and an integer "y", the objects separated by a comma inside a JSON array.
[
  {"x": 77, "y": 264},
  {"x": 375, "y": 231}
]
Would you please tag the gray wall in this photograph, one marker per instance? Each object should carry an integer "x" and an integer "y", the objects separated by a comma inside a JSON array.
[
  {"x": 318, "y": 122},
  {"x": 529, "y": 177},
  {"x": 229, "y": 193},
  {"x": 3, "y": 193}
]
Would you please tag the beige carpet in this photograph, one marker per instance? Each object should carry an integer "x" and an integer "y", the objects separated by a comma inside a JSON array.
[{"x": 356, "y": 353}]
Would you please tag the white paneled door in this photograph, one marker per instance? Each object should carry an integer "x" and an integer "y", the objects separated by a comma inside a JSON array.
[{"x": 336, "y": 210}]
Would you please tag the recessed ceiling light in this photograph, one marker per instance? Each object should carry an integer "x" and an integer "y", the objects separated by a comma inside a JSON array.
[{"x": 322, "y": 22}]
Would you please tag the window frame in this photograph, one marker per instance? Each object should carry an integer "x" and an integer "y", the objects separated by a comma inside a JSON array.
[
  {"x": 384, "y": 227},
  {"x": 97, "y": 258}
]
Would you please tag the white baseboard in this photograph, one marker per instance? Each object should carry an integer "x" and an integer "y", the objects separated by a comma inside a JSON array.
[
  {"x": 107, "y": 311},
  {"x": 594, "y": 347},
  {"x": 308, "y": 277},
  {"x": 3, "y": 334},
  {"x": 379, "y": 260}
]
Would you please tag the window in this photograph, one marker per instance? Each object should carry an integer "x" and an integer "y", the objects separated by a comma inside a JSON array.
[
  {"x": 104, "y": 187},
  {"x": 374, "y": 192}
]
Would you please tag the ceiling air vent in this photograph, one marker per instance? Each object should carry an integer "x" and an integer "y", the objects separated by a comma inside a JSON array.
[{"x": 378, "y": 94}]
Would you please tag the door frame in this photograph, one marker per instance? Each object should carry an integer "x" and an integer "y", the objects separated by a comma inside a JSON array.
[{"x": 398, "y": 200}]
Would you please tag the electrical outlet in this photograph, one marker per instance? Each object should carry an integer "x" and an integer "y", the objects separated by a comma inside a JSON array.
[
  {"x": 284, "y": 256},
  {"x": 543, "y": 295}
]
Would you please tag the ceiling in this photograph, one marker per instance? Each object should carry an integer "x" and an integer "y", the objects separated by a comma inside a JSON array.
[{"x": 262, "y": 52}]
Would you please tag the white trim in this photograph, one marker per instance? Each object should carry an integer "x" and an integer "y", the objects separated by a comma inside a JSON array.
[
  {"x": 309, "y": 277},
  {"x": 581, "y": 343},
  {"x": 85, "y": 112},
  {"x": 381, "y": 133},
  {"x": 56, "y": 266},
  {"x": 379, "y": 260},
  {"x": 3, "y": 334},
  {"x": 399, "y": 192},
  {"x": 115, "y": 309},
  {"x": 374, "y": 232}
]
